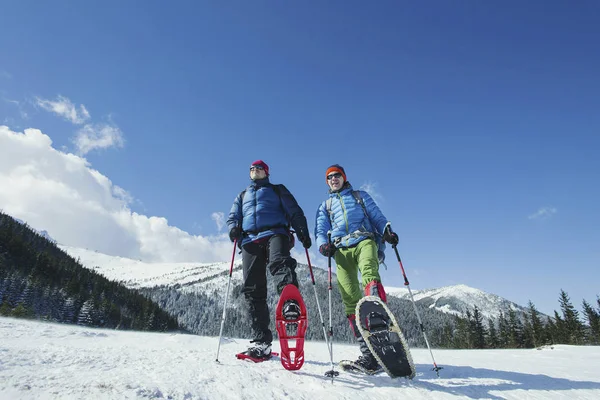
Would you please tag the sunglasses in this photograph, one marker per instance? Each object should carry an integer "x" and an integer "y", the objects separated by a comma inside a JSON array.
[
  {"x": 256, "y": 167},
  {"x": 335, "y": 175}
]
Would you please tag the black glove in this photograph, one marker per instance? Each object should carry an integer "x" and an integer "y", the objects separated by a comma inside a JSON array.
[
  {"x": 327, "y": 249},
  {"x": 235, "y": 233},
  {"x": 307, "y": 242},
  {"x": 304, "y": 239},
  {"x": 390, "y": 236}
]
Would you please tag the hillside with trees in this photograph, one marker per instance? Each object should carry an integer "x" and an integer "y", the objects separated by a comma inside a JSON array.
[
  {"x": 511, "y": 331},
  {"x": 39, "y": 280}
]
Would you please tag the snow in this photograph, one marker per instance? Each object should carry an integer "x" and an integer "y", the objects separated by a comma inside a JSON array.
[
  {"x": 40, "y": 360},
  {"x": 139, "y": 274},
  {"x": 464, "y": 297},
  {"x": 399, "y": 291}
]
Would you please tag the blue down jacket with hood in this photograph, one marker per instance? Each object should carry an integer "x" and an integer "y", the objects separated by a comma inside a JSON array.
[
  {"x": 264, "y": 209},
  {"x": 348, "y": 223}
]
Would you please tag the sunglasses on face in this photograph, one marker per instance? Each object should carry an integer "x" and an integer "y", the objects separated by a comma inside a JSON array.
[
  {"x": 335, "y": 175},
  {"x": 256, "y": 168}
]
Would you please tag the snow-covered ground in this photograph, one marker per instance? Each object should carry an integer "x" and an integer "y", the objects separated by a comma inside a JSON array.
[{"x": 54, "y": 361}]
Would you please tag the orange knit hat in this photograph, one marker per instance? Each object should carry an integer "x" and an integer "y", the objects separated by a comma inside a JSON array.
[{"x": 336, "y": 168}]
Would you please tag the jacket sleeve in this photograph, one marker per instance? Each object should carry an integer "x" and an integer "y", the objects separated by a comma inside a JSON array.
[
  {"x": 376, "y": 216},
  {"x": 235, "y": 214},
  {"x": 292, "y": 210},
  {"x": 322, "y": 225}
]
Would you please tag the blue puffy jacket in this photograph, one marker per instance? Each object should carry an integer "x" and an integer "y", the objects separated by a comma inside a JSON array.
[
  {"x": 348, "y": 223},
  {"x": 264, "y": 209}
]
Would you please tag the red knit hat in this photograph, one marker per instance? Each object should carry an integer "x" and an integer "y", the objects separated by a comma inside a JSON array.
[
  {"x": 336, "y": 168},
  {"x": 261, "y": 163}
]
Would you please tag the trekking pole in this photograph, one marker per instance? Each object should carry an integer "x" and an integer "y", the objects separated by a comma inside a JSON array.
[
  {"x": 331, "y": 373},
  {"x": 435, "y": 367},
  {"x": 226, "y": 296},
  {"x": 312, "y": 277}
]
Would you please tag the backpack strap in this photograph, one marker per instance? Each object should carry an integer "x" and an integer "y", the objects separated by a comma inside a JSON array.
[
  {"x": 359, "y": 200},
  {"x": 328, "y": 208}
]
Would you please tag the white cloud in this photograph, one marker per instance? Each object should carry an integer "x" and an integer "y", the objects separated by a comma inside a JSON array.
[
  {"x": 90, "y": 136},
  {"x": 5, "y": 74},
  {"x": 543, "y": 213},
  {"x": 97, "y": 136},
  {"x": 66, "y": 109},
  {"x": 61, "y": 193},
  {"x": 219, "y": 219},
  {"x": 371, "y": 188}
]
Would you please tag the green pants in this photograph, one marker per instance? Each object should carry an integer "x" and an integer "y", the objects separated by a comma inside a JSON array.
[{"x": 349, "y": 262}]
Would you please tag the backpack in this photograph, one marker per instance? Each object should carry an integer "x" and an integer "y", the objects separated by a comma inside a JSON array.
[{"x": 376, "y": 236}]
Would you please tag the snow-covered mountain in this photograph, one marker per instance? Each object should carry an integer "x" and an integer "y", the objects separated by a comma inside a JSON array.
[
  {"x": 206, "y": 277},
  {"x": 138, "y": 274},
  {"x": 459, "y": 298}
]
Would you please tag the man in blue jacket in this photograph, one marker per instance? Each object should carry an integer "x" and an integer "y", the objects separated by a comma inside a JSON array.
[
  {"x": 260, "y": 219},
  {"x": 357, "y": 225}
]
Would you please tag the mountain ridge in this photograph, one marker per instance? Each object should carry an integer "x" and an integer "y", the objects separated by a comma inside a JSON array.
[{"x": 206, "y": 277}]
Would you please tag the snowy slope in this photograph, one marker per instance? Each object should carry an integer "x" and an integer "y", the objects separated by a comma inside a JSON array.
[
  {"x": 138, "y": 274},
  {"x": 52, "y": 361}
]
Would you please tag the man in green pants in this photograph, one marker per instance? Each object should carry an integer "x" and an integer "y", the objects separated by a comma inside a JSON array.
[{"x": 357, "y": 226}]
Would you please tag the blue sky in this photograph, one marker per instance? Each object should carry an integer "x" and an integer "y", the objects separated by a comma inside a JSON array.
[{"x": 476, "y": 125}]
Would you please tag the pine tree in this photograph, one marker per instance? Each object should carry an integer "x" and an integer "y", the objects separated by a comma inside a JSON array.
[
  {"x": 22, "y": 312},
  {"x": 492, "y": 337},
  {"x": 573, "y": 326},
  {"x": 550, "y": 332},
  {"x": 561, "y": 334},
  {"x": 470, "y": 334},
  {"x": 515, "y": 330},
  {"x": 593, "y": 318},
  {"x": 5, "y": 309},
  {"x": 537, "y": 328},
  {"x": 479, "y": 332},
  {"x": 503, "y": 331},
  {"x": 447, "y": 335},
  {"x": 461, "y": 333},
  {"x": 527, "y": 334},
  {"x": 85, "y": 313}
]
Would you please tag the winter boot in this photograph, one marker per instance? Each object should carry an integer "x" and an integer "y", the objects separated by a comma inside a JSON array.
[
  {"x": 368, "y": 363},
  {"x": 365, "y": 361},
  {"x": 291, "y": 310},
  {"x": 259, "y": 350},
  {"x": 375, "y": 288}
]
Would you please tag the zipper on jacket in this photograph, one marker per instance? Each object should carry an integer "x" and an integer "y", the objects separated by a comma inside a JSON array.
[
  {"x": 255, "y": 206},
  {"x": 345, "y": 215}
]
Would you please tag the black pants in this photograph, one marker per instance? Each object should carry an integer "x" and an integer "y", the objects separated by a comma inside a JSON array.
[{"x": 273, "y": 253}]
